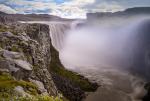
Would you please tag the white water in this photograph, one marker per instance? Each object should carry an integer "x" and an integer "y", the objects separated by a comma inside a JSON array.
[
  {"x": 57, "y": 34},
  {"x": 57, "y": 31},
  {"x": 102, "y": 54},
  {"x": 108, "y": 46}
]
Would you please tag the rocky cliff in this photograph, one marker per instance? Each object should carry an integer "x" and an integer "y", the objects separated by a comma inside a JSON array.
[
  {"x": 30, "y": 65},
  {"x": 9, "y": 18},
  {"x": 25, "y": 55}
]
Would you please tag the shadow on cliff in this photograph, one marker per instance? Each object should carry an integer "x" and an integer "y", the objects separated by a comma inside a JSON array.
[{"x": 72, "y": 85}]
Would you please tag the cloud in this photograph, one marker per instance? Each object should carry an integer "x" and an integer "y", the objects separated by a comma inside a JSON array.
[
  {"x": 7, "y": 9},
  {"x": 72, "y": 9},
  {"x": 32, "y": 6},
  {"x": 68, "y": 8},
  {"x": 79, "y": 8}
]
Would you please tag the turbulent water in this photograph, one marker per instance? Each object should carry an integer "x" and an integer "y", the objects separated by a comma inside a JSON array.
[
  {"x": 105, "y": 54},
  {"x": 57, "y": 34},
  {"x": 57, "y": 31}
]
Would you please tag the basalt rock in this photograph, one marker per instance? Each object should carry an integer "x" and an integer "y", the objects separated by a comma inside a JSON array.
[{"x": 26, "y": 55}]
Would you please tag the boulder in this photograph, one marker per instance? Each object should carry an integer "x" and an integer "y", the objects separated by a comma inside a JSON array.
[
  {"x": 21, "y": 92},
  {"x": 8, "y": 34},
  {"x": 23, "y": 64},
  {"x": 40, "y": 86},
  {"x": 11, "y": 55}
]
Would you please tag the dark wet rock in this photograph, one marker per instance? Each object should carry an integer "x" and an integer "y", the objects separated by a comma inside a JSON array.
[
  {"x": 147, "y": 96},
  {"x": 68, "y": 88}
]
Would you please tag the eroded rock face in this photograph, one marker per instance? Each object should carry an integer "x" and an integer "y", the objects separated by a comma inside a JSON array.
[
  {"x": 41, "y": 55},
  {"x": 13, "y": 62},
  {"x": 26, "y": 55},
  {"x": 11, "y": 54},
  {"x": 70, "y": 90}
]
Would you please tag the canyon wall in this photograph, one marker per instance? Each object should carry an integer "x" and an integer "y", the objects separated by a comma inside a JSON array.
[{"x": 25, "y": 55}]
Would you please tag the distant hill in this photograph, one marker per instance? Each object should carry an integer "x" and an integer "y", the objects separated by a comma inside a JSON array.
[
  {"x": 34, "y": 17},
  {"x": 138, "y": 10},
  {"x": 7, "y": 18},
  {"x": 128, "y": 12},
  {"x": 2, "y": 12}
]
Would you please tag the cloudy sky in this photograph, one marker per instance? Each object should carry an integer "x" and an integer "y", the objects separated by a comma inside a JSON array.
[{"x": 68, "y": 8}]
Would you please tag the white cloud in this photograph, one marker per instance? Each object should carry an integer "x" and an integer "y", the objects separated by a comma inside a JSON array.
[
  {"x": 69, "y": 8},
  {"x": 78, "y": 3},
  {"x": 79, "y": 8},
  {"x": 7, "y": 9},
  {"x": 69, "y": 12},
  {"x": 29, "y": 5},
  {"x": 72, "y": 9}
]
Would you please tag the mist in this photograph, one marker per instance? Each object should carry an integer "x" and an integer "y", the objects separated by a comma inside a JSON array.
[{"x": 112, "y": 44}]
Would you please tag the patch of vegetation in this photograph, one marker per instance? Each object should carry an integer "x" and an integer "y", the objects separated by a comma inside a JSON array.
[
  {"x": 15, "y": 48},
  {"x": 7, "y": 85},
  {"x": 57, "y": 67},
  {"x": 4, "y": 28},
  {"x": 34, "y": 98}
]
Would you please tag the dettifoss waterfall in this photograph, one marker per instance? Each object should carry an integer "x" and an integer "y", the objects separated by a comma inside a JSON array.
[
  {"x": 57, "y": 34},
  {"x": 116, "y": 56}
]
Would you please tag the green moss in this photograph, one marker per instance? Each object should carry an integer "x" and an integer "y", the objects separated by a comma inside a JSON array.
[
  {"x": 5, "y": 77},
  {"x": 57, "y": 67},
  {"x": 83, "y": 83},
  {"x": 7, "y": 85},
  {"x": 1, "y": 45},
  {"x": 15, "y": 48},
  {"x": 34, "y": 98},
  {"x": 3, "y": 28},
  {"x": 12, "y": 29},
  {"x": 32, "y": 91},
  {"x": 26, "y": 84}
]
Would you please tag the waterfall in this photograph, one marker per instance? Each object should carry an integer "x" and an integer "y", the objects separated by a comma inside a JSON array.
[
  {"x": 91, "y": 50},
  {"x": 57, "y": 30},
  {"x": 111, "y": 55},
  {"x": 58, "y": 33}
]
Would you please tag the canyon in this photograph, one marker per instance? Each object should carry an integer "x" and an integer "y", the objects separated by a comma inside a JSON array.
[{"x": 71, "y": 59}]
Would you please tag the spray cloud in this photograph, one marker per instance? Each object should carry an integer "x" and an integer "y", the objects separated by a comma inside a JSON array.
[{"x": 111, "y": 44}]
